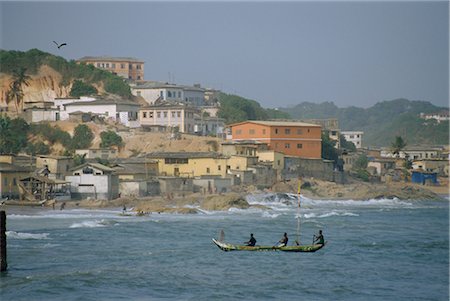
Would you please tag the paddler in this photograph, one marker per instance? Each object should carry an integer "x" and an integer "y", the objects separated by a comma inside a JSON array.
[
  {"x": 252, "y": 241},
  {"x": 319, "y": 238},
  {"x": 283, "y": 241}
]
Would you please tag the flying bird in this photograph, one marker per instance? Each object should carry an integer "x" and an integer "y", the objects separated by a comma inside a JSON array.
[{"x": 60, "y": 45}]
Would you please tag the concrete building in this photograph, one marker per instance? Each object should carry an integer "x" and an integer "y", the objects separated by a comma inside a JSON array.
[
  {"x": 101, "y": 153},
  {"x": 205, "y": 126},
  {"x": 10, "y": 175},
  {"x": 190, "y": 165},
  {"x": 58, "y": 166},
  {"x": 126, "y": 67},
  {"x": 330, "y": 125},
  {"x": 382, "y": 165},
  {"x": 354, "y": 136},
  {"x": 290, "y": 138},
  {"x": 118, "y": 110},
  {"x": 414, "y": 152},
  {"x": 439, "y": 116},
  {"x": 169, "y": 116},
  {"x": 152, "y": 91},
  {"x": 93, "y": 180},
  {"x": 440, "y": 166}
]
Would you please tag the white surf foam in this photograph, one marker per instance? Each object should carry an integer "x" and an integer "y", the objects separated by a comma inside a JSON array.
[
  {"x": 24, "y": 235},
  {"x": 93, "y": 224}
]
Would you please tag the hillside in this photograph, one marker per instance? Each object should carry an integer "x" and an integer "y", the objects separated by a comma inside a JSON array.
[
  {"x": 381, "y": 122},
  {"x": 52, "y": 76}
]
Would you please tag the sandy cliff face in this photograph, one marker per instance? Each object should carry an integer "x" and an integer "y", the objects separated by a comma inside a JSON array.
[{"x": 46, "y": 85}]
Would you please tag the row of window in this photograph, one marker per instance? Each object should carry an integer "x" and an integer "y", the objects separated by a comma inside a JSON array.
[
  {"x": 288, "y": 145},
  {"x": 113, "y": 66},
  {"x": 165, "y": 114},
  {"x": 5, "y": 182},
  {"x": 277, "y": 131}
]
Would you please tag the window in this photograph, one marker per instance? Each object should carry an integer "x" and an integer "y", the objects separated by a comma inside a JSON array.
[
  {"x": 139, "y": 77},
  {"x": 98, "y": 65},
  {"x": 176, "y": 161},
  {"x": 122, "y": 66},
  {"x": 178, "y": 114},
  {"x": 113, "y": 66},
  {"x": 251, "y": 131},
  {"x": 107, "y": 65},
  {"x": 138, "y": 93},
  {"x": 238, "y": 132},
  {"x": 165, "y": 114},
  {"x": 138, "y": 66},
  {"x": 14, "y": 181},
  {"x": 161, "y": 94},
  {"x": 150, "y": 115},
  {"x": 278, "y": 163},
  {"x": 144, "y": 114},
  {"x": 299, "y": 145},
  {"x": 287, "y": 145},
  {"x": 158, "y": 114},
  {"x": 287, "y": 131},
  {"x": 5, "y": 181},
  {"x": 218, "y": 167},
  {"x": 299, "y": 131},
  {"x": 173, "y": 114},
  {"x": 130, "y": 66},
  {"x": 276, "y": 131},
  {"x": 179, "y": 94},
  {"x": 264, "y": 131},
  {"x": 207, "y": 170}
]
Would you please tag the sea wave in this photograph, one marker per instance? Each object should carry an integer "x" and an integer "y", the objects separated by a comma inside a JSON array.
[
  {"x": 24, "y": 235},
  {"x": 93, "y": 224},
  {"x": 329, "y": 214}
]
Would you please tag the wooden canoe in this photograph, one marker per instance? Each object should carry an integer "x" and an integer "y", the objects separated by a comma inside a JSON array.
[{"x": 230, "y": 247}]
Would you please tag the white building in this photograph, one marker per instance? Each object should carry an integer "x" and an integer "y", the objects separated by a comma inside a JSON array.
[
  {"x": 354, "y": 136},
  {"x": 118, "y": 110},
  {"x": 414, "y": 153},
  {"x": 152, "y": 91},
  {"x": 169, "y": 116},
  {"x": 439, "y": 116},
  {"x": 93, "y": 180}
]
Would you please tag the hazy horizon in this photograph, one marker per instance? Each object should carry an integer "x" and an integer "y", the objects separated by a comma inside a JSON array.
[{"x": 279, "y": 54}]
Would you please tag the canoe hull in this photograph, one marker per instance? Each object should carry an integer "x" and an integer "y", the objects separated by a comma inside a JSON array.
[{"x": 230, "y": 247}]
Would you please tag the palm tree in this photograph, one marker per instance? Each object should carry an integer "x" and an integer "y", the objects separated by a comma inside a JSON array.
[
  {"x": 398, "y": 145},
  {"x": 15, "y": 88}
]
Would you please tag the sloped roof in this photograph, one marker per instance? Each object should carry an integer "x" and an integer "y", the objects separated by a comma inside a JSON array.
[
  {"x": 277, "y": 123},
  {"x": 110, "y": 59},
  {"x": 95, "y": 165}
]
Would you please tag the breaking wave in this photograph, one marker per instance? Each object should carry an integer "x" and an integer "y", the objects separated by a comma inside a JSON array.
[
  {"x": 93, "y": 224},
  {"x": 24, "y": 235}
]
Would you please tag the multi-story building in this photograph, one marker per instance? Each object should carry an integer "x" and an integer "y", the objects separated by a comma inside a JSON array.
[
  {"x": 152, "y": 91},
  {"x": 169, "y": 116},
  {"x": 126, "y": 67},
  {"x": 354, "y": 136},
  {"x": 290, "y": 138},
  {"x": 330, "y": 125}
]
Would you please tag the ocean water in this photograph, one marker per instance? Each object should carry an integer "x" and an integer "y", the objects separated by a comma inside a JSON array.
[{"x": 376, "y": 250}]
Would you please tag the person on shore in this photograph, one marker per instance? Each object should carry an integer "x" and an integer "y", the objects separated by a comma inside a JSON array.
[
  {"x": 283, "y": 241},
  {"x": 62, "y": 206},
  {"x": 124, "y": 209},
  {"x": 252, "y": 241},
  {"x": 318, "y": 239}
]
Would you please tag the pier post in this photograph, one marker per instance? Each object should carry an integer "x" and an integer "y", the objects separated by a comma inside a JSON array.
[{"x": 3, "y": 264}]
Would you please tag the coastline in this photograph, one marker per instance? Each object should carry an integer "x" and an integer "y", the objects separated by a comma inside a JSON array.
[{"x": 311, "y": 188}]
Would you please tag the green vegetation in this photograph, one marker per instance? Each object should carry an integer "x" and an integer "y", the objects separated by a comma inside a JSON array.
[
  {"x": 348, "y": 145},
  {"x": 13, "y": 135},
  {"x": 234, "y": 108},
  {"x": 110, "y": 138},
  {"x": 381, "y": 122},
  {"x": 82, "y": 137},
  {"x": 398, "y": 145},
  {"x": 70, "y": 71},
  {"x": 329, "y": 152},
  {"x": 79, "y": 88},
  {"x": 15, "y": 88},
  {"x": 37, "y": 148},
  {"x": 52, "y": 134},
  {"x": 79, "y": 159}
]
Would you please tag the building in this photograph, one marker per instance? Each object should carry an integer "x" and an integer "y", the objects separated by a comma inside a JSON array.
[
  {"x": 414, "y": 152},
  {"x": 10, "y": 175},
  {"x": 354, "y": 136},
  {"x": 190, "y": 165},
  {"x": 440, "y": 166},
  {"x": 58, "y": 166},
  {"x": 288, "y": 137},
  {"x": 205, "y": 125},
  {"x": 152, "y": 91},
  {"x": 118, "y": 110},
  {"x": 439, "y": 116},
  {"x": 93, "y": 180},
  {"x": 382, "y": 165},
  {"x": 126, "y": 67},
  {"x": 101, "y": 153},
  {"x": 330, "y": 125},
  {"x": 170, "y": 116}
]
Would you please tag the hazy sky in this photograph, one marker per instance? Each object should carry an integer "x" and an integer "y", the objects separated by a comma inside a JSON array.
[{"x": 277, "y": 53}]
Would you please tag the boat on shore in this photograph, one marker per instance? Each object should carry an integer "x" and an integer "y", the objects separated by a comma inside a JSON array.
[{"x": 301, "y": 248}]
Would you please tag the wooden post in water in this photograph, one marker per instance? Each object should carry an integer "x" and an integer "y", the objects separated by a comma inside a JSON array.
[{"x": 3, "y": 264}]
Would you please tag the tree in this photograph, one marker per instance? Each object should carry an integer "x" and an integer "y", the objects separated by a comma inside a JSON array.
[
  {"x": 110, "y": 138},
  {"x": 15, "y": 88},
  {"x": 82, "y": 137},
  {"x": 348, "y": 145},
  {"x": 361, "y": 162},
  {"x": 13, "y": 135},
  {"x": 329, "y": 152},
  {"x": 37, "y": 148},
  {"x": 398, "y": 145},
  {"x": 79, "y": 88}
]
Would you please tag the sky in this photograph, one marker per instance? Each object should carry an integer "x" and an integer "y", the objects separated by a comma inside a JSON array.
[{"x": 352, "y": 53}]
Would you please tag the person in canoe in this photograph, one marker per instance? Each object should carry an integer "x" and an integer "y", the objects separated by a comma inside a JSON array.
[
  {"x": 283, "y": 241},
  {"x": 318, "y": 239},
  {"x": 252, "y": 241}
]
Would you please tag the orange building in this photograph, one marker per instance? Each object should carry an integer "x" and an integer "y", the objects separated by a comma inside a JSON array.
[
  {"x": 126, "y": 67},
  {"x": 288, "y": 137}
]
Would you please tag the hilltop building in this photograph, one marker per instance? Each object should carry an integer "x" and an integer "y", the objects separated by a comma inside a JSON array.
[
  {"x": 164, "y": 116},
  {"x": 354, "y": 136},
  {"x": 126, "y": 67},
  {"x": 439, "y": 116},
  {"x": 152, "y": 91},
  {"x": 288, "y": 137}
]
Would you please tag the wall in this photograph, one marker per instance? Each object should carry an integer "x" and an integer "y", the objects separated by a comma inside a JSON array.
[
  {"x": 104, "y": 187},
  {"x": 195, "y": 167},
  {"x": 212, "y": 185},
  {"x": 176, "y": 186},
  {"x": 316, "y": 168}
]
